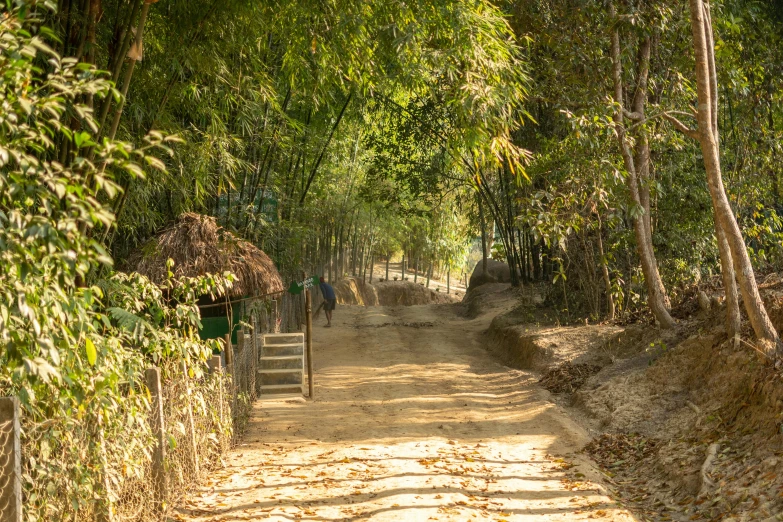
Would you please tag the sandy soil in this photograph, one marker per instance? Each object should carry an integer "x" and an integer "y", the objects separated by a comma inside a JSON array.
[{"x": 412, "y": 420}]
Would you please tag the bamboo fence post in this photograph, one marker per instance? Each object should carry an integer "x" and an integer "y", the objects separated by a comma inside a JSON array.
[
  {"x": 191, "y": 423},
  {"x": 11, "y": 461},
  {"x": 228, "y": 349},
  {"x": 309, "y": 313},
  {"x": 152, "y": 376},
  {"x": 230, "y": 374},
  {"x": 106, "y": 509},
  {"x": 214, "y": 364},
  {"x": 253, "y": 359},
  {"x": 215, "y": 369}
]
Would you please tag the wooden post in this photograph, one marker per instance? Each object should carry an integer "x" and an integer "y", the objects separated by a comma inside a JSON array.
[
  {"x": 152, "y": 376},
  {"x": 309, "y": 313},
  {"x": 10, "y": 461},
  {"x": 214, "y": 364},
  {"x": 240, "y": 339},
  {"x": 215, "y": 368},
  {"x": 238, "y": 370},
  {"x": 191, "y": 424},
  {"x": 105, "y": 511},
  {"x": 230, "y": 371},
  {"x": 253, "y": 359},
  {"x": 228, "y": 349}
]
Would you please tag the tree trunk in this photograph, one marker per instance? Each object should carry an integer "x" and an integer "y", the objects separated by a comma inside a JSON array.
[
  {"x": 484, "y": 250},
  {"x": 605, "y": 271},
  {"x": 340, "y": 252},
  {"x": 129, "y": 73},
  {"x": 733, "y": 319},
  {"x": 334, "y": 257},
  {"x": 538, "y": 270},
  {"x": 353, "y": 253},
  {"x": 329, "y": 253},
  {"x": 706, "y": 116},
  {"x": 361, "y": 260},
  {"x": 388, "y": 257},
  {"x": 657, "y": 299}
]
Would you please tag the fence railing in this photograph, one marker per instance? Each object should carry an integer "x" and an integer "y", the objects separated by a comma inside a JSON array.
[
  {"x": 191, "y": 426},
  {"x": 136, "y": 470}
]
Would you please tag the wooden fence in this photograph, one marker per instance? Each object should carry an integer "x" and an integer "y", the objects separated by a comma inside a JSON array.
[{"x": 193, "y": 421}]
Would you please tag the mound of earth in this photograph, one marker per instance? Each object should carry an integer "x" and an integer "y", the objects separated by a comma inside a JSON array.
[
  {"x": 489, "y": 297},
  {"x": 497, "y": 272},
  {"x": 407, "y": 293},
  {"x": 351, "y": 291}
]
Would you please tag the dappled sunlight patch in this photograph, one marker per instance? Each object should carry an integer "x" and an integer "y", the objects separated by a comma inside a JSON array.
[{"x": 418, "y": 429}]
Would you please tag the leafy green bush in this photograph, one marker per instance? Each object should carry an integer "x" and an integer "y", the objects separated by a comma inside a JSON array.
[{"x": 75, "y": 350}]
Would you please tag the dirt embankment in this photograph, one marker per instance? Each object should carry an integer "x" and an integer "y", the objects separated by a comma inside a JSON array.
[
  {"x": 688, "y": 426},
  {"x": 351, "y": 291},
  {"x": 526, "y": 335}
]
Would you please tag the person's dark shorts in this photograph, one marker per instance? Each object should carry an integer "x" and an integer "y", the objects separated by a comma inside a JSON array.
[{"x": 330, "y": 304}]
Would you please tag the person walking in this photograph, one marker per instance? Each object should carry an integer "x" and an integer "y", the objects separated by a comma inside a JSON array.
[{"x": 330, "y": 300}]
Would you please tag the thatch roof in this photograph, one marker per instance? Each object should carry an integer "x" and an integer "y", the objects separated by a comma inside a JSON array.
[{"x": 199, "y": 246}]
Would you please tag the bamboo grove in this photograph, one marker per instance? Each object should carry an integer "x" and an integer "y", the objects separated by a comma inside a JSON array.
[{"x": 330, "y": 130}]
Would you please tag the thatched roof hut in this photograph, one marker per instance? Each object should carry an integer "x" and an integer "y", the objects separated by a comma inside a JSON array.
[{"x": 199, "y": 246}]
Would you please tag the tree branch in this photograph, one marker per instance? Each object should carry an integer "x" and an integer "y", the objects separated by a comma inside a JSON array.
[
  {"x": 635, "y": 116},
  {"x": 680, "y": 126}
]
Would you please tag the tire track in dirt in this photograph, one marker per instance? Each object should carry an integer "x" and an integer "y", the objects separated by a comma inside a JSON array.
[{"x": 409, "y": 423}]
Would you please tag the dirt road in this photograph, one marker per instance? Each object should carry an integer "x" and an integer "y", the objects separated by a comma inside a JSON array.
[{"x": 412, "y": 420}]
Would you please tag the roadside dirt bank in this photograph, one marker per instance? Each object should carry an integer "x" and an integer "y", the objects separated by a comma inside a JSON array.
[
  {"x": 412, "y": 421},
  {"x": 686, "y": 426}
]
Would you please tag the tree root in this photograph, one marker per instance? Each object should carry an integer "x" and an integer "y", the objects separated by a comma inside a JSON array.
[
  {"x": 706, "y": 481},
  {"x": 695, "y": 409}
]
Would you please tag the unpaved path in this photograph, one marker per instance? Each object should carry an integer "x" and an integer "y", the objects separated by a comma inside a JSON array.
[{"x": 412, "y": 420}]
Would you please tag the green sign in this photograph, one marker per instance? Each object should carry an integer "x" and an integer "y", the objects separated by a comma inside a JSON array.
[{"x": 297, "y": 288}]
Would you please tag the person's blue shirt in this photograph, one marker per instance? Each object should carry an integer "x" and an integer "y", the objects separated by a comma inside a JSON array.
[{"x": 327, "y": 291}]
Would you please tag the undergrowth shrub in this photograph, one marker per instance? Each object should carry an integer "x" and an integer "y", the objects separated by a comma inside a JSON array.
[{"x": 75, "y": 347}]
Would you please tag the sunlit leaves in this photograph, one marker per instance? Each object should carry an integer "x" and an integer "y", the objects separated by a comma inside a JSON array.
[{"x": 91, "y": 351}]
